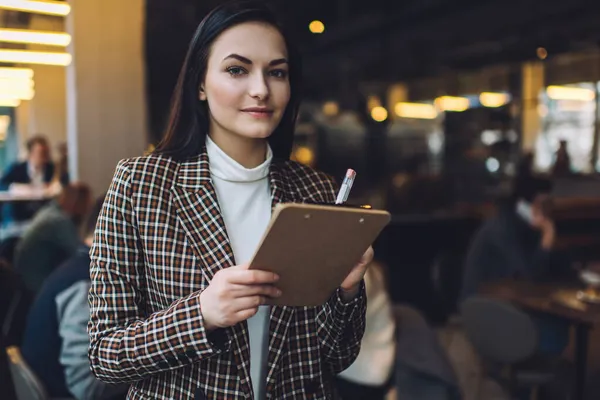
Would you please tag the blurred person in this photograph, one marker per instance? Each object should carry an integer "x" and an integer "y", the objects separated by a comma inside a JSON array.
[
  {"x": 525, "y": 165},
  {"x": 55, "y": 343},
  {"x": 62, "y": 165},
  {"x": 518, "y": 243},
  {"x": 53, "y": 235},
  {"x": 562, "y": 161},
  {"x": 405, "y": 194},
  {"x": 37, "y": 170},
  {"x": 15, "y": 301},
  {"x": 423, "y": 369},
  {"x": 174, "y": 308},
  {"x": 34, "y": 173},
  {"x": 369, "y": 376}
]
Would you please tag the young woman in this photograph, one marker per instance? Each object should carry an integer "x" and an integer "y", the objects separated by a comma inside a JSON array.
[{"x": 174, "y": 308}]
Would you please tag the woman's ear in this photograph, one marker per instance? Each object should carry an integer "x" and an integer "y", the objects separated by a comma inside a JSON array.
[{"x": 202, "y": 94}]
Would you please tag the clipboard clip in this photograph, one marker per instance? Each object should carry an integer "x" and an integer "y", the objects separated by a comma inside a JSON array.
[{"x": 344, "y": 205}]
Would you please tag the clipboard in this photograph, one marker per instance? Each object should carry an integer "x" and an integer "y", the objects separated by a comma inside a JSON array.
[{"x": 314, "y": 247}]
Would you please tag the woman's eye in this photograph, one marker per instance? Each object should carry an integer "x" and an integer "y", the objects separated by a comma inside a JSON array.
[
  {"x": 235, "y": 71},
  {"x": 279, "y": 73}
]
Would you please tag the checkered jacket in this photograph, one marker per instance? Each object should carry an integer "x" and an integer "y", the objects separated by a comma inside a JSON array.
[{"x": 159, "y": 241}]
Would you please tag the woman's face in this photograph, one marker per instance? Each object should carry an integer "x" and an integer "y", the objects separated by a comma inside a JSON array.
[{"x": 246, "y": 84}]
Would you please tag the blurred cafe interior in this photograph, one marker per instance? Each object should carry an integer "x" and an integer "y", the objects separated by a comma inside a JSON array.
[{"x": 475, "y": 123}]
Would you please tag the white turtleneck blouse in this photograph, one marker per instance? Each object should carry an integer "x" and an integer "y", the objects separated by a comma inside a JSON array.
[{"x": 244, "y": 198}]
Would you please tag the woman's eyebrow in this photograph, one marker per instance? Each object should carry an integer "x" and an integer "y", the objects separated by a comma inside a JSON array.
[{"x": 249, "y": 62}]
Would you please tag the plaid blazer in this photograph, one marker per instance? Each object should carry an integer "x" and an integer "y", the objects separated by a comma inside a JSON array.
[{"x": 159, "y": 241}]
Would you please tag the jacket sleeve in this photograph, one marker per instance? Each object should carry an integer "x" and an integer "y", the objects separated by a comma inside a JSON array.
[
  {"x": 9, "y": 177},
  {"x": 127, "y": 344},
  {"x": 73, "y": 310},
  {"x": 340, "y": 327}
]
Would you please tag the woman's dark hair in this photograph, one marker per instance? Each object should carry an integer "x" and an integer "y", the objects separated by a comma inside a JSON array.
[{"x": 189, "y": 117}]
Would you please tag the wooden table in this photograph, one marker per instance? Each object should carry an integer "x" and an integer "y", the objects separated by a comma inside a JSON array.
[
  {"x": 558, "y": 299},
  {"x": 6, "y": 196},
  {"x": 13, "y": 197}
]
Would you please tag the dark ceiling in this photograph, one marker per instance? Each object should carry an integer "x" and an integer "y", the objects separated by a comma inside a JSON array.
[{"x": 383, "y": 41}]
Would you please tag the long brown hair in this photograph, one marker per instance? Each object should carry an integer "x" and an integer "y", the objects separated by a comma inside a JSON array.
[{"x": 189, "y": 117}]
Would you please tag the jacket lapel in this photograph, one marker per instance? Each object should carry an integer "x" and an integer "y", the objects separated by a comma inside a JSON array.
[
  {"x": 199, "y": 214},
  {"x": 282, "y": 191}
]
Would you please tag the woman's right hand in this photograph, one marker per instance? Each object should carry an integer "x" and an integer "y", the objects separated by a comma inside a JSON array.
[{"x": 234, "y": 295}]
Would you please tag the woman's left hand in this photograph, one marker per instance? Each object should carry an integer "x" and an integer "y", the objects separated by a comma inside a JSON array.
[{"x": 350, "y": 285}]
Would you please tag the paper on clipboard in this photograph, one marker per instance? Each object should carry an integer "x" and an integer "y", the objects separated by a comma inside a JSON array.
[{"x": 313, "y": 248}]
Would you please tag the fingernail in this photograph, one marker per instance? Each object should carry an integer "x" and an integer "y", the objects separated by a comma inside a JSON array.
[{"x": 276, "y": 277}]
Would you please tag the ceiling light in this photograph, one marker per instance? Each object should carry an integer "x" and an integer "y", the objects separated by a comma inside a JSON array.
[
  {"x": 570, "y": 93},
  {"x": 9, "y": 102},
  {"x": 492, "y": 100},
  {"x": 450, "y": 103},
  {"x": 34, "y": 57},
  {"x": 35, "y": 37},
  {"x": 40, "y": 7},
  {"x": 16, "y": 73},
  {"x": 415, "y": 110},
  {"x": 18, "y": 90}
]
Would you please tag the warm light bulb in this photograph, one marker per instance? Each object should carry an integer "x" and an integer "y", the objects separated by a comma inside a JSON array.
[
  {"x": 451, "y": 103},
  {"x": 331, "y": 109},
  {"x": 379, "y": 114},
  {"x": 492, "y": 100},
  {"x": 304, "y": 155},
  {"x": 316, "y": 27},
  {"x": 415, "y": 110}
]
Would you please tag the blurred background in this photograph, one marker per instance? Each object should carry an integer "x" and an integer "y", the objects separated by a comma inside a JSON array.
[{"x": 442, "y": 107}]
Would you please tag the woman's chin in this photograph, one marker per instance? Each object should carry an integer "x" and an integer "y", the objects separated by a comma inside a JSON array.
[{"x": 256, "y": 134}]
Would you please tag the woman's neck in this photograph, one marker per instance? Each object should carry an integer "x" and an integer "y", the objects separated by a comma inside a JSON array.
[{"x": 250, "y": 153}]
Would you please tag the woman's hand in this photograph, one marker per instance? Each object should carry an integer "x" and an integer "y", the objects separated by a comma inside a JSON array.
[
  {"x": 234, "y": 295},
  {"x": 350, "y": 285}
]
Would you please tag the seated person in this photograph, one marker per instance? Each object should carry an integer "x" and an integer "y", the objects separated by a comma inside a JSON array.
[
  {"x": 53, "y": 236},
  {"x": 14, "y": 305},
  {"x": 369, "y": 376},
  {"x": 518, "y": 243},
  {"x": 56, "y": 341},
  {"x": 37, "y": 171}
]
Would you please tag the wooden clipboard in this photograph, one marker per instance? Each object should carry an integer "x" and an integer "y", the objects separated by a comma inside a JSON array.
[{"x": 314, "y": 247}]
